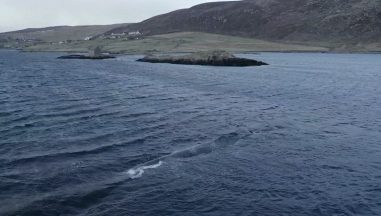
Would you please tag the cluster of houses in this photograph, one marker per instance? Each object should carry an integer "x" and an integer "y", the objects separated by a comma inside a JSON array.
[
  {"x": 27, "y": 40},
  {"x": 135, "y": 35}
]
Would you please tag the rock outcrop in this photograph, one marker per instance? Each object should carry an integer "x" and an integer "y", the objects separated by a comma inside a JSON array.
[{"x": 213, "y": 58}]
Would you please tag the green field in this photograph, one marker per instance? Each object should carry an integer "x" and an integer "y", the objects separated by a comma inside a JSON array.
[{"x": 175, "y": 42}]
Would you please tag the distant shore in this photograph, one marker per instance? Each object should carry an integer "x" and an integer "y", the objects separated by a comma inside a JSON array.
[
  {"x": 190, "y": 42},
  {"x": 246, "y": 52},
  {"x": 173, "y": 43}
]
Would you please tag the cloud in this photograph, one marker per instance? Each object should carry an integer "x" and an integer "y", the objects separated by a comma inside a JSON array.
[{"x": 18, "y": 14}]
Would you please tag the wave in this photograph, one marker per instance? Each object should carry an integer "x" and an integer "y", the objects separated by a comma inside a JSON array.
[
  {"x": 221, "y": 142},
  {"x": 75, "y": 153},
  {"x": 84, "y": 195},
  {"x": 88, "y": 194},
  {"x": 138, "y": 172}
]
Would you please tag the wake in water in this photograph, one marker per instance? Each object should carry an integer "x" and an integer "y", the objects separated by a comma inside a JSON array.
[
  {"x": 221, "y": 142},
  {"x": 138, "y": 172}
]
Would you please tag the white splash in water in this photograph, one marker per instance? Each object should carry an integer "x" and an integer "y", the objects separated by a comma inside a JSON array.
[{"x": 137, "y": 172}]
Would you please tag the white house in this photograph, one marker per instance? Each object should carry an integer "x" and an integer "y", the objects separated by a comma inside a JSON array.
[{"x": 134, "y": 33}]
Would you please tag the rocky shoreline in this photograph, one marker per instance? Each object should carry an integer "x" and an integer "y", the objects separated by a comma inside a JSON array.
[
  {"x": 86, "y": 57},
  {"x": 213, "y": 58}
]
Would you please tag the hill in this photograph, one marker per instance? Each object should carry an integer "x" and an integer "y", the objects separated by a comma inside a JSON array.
[
  {"x": 335, "y": 23},
  {"x": 247, "y": 25},
  {"x": 58, "y": 33}
]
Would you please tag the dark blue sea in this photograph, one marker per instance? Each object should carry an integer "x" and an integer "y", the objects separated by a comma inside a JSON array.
[{"x": 301, "y": 136}]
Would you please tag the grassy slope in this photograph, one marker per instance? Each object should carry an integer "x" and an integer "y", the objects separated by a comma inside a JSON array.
[
  {"x": 61, "y": 33},
  {"x": 177, "y": 42}
]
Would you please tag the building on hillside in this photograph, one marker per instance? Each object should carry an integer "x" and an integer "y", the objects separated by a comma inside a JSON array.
[
  {"x": 117, "y": 35},
  {"x": 123, "y": 35},
  {"x": 134, "y": 33}
]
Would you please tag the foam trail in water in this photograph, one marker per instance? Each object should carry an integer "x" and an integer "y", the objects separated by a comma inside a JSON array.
[
  {"x": 220, "y": 142},
  {"x": 137, "y": 172}
]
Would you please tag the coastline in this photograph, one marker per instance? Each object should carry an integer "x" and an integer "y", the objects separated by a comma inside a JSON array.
[
  {"x": 253, "y": 52},
  {"x": 191, "y": 42}
]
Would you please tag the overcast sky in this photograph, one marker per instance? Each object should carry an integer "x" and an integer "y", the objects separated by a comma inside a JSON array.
[{"x": 19, "y": 14}]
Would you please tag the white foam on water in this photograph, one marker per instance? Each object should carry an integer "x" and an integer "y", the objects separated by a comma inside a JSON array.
[{"x": 137, "y": 172}]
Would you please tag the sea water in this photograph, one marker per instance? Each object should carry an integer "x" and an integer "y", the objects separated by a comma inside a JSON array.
[{"x": 301, "y": 136}]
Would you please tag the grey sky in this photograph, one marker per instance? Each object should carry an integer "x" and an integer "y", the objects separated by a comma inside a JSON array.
[{"x": 18, "y": 14}]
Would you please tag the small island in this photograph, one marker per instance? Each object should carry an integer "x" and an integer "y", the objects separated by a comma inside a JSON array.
[
  {"x": 95, "y": 54},
  {"x": 212, "y": 58}
]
